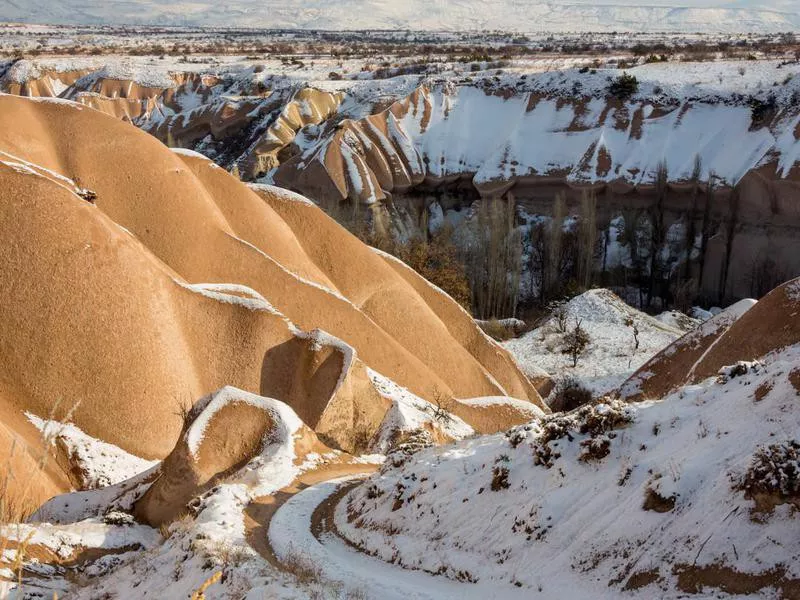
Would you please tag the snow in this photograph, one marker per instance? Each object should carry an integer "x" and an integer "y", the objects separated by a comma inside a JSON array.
[
  {"x": 713, "y": 326},
  {"x": 678, "y": 320},
  {"x": 319, "y": 339},
  {"x": 793, "y": 289},
  {"x": 701, "y": 314},
  {"x": 471, "y": 128},
  {"x": 467, "y": 130},
  {"x": 287, "y": 423},
  {"x": 214, "y": 538},
  {"x": 100, "y": 464},
  {"x": 133, "y": 71},
  {"x": 409, "y": 412},
  {"x": 65, "y": 540},
  {"x": 360, "y": 575},
  {"x": 462, "y": 16},
  {"x": 611, "y": 356},
  {"x": 296, "y": 276},
  {"x": 23, "y": 166},
  {"x": 520, "y": 405},
  {"x": 281, "y": 193},
  {"x": 187, "y": 152},
  {"x": 721, "y": 321},
  {"x": 232, "y": 293},
  {"x": 582, "y": 521}
]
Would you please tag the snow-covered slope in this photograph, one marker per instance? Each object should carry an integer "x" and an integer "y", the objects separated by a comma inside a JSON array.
[
  {"x": 612, "y": 354},
  {"x": 514, "y": 15},
  {"x": 696, "y": 492}
]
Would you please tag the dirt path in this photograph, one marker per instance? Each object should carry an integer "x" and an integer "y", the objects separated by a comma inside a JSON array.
[
  {"x": 303, "y": 527},
  {"x": 322, "y": 518},
  {"x": 260, "y": 511}
]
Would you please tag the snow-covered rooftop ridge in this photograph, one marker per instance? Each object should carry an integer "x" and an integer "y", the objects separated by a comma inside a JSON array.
[{"x": 286, "y": 421}]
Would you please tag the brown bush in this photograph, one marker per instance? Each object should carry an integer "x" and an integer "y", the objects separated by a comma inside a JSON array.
[
  {"x": 656, "y": 502},
  {"x": 774, "y": 475},
  {"x": 500, "y": 479},
  {"x": 569, "y": 394},
  {"x": 496, "y": 330},
  {"x": 436, "y": 259}
]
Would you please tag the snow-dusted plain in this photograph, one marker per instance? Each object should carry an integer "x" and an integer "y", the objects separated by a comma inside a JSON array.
[{"x": 456, "y": 15}]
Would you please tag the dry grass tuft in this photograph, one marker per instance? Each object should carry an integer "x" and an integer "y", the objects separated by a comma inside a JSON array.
[
  {"x": 199, "y": 593},
  {"x": 496, "y": 330},
  {"x": 17, "y": 502}
]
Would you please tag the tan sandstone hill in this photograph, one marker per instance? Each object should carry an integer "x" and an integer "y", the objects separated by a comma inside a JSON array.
[
  {"x": 745, "y": 331},
  {"x": 138, "y": 279}
]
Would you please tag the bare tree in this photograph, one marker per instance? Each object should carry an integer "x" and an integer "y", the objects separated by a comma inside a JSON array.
[
  {"x": 556, "y": 238},
  {"x": 537, "y": 260},
  {"x": 657, "y": 229},
  {"x": 765, "y": 276},
  {"x": 576, "y": 342},
  {"x": 629, "y": 322},
  {"x": 691, "y": 230},
  {"x": 558, "y": 310},
  {"x": 587, "y": 239},
  {"x": 495, "y": 259},
  {"x": 705, "y": 233}
]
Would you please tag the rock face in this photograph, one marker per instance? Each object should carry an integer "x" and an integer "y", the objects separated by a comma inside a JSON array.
[
  {"x": 138, "y": 279},
  {"x": 223, "y": 433},
  {"x": 730, "y": 174},
  {"x": 744, "y": 332}
]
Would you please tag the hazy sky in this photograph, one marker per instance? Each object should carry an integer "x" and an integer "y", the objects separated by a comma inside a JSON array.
[{"x": 511, "y": 15}]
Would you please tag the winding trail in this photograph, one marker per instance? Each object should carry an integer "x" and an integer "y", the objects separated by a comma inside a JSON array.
[
  {"x": 259, "y": 513},
  {"x": 299, "y": 524}
]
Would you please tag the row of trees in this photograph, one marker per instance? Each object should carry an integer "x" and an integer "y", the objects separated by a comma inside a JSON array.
[{"x": 498, "y": 266}]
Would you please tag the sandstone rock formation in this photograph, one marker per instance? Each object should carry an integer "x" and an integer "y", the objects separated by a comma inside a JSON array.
[
  {"x": 743, "y": 332},
  {"x": 731, "y": 168},
  {"x": 138, "y": 279}
]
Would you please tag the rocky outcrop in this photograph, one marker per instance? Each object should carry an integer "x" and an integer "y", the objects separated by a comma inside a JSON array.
[
  {"x": 729, "y": 162},
  {"x": 222, "y": 433},
  {"x": 746, "y": 331},
  {"x": 138, "y": 279}
]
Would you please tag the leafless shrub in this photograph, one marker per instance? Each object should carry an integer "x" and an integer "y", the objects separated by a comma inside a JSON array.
[
  {"x": 500, "y": 479},
  {"x": 569, "y": 394},
  {"x": 576, "y": 342},
  {"x": 595, "y": 448},
  {"x": 559, "y": 315},
  {"x": 629, "y": 322}
]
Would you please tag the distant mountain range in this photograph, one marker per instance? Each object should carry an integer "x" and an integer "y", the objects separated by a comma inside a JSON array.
[{"x": 511, "y": 15}]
